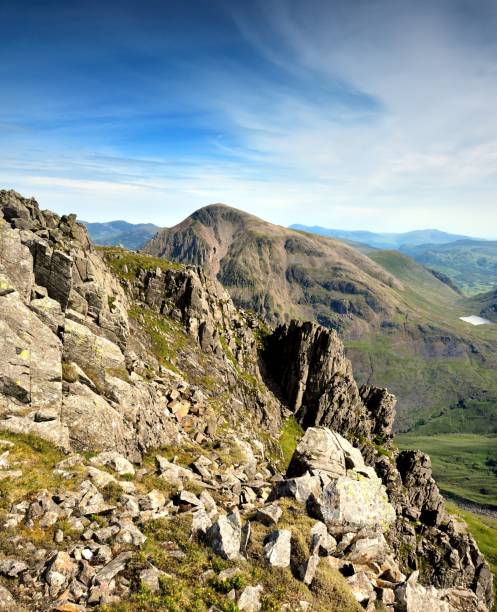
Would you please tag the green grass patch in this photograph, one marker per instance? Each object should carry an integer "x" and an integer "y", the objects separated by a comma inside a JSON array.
[
  {"x": 127, "y": 264},
  {"x": 291, "y": 433},
  {"x": 167, "y": 337},
  {"x": 35, "y": 458}
]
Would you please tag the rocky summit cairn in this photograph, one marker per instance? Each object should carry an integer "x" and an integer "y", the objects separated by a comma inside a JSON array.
[{"x": 140, "y": 460}]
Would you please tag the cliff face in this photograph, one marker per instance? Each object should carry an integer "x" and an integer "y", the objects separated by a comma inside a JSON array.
[
  {"x": 67, "y": 333},
  {"x": 119, "y": 354},
  {"x": 315, "y": 380}
]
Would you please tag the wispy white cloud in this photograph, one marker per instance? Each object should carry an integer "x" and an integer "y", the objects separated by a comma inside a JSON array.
[{"x": 376, "y": 115}]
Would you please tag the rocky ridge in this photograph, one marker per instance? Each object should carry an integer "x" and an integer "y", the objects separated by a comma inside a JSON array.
[{"x": 122, "y": 355}]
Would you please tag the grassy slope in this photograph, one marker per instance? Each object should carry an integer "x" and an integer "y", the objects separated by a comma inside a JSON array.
[
  {"x": 459, "y": 463},
  {"x": 472, "y": 265},
  {"x": 430, "y": 390},
  {"x": 443, "y": 386}
]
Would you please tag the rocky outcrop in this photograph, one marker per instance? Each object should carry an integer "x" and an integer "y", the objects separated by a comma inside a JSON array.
[
  {"x": 351, "y": 505},
  {"x": 312, "y": 375},
  {"x": 207, "y": 314},
  {"x": 351, "y": 497},
  {"x": 307, "y": 367},
  {"x": 31, "y": 373},
  {"x": 72, "y": 373},
  {"x": 424, "y": 501},
  {"x": 202, "y": 306},
  {"x": 66, "y": 377},
  {"x": 380, "y": 406},
  {"x": 328, "y": 452},
  {"x": 355, "y": 516}
]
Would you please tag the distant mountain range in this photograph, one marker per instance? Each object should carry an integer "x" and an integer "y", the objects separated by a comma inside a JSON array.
[
  {"x": 470, "y": 263},
  {"x": 135, "y": 235},
  {"x": 385, "y": 240},
  {"x": 114, "y": 233}
]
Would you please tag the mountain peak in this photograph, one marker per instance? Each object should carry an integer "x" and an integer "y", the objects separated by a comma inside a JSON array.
[
  {"x": 220, "y": 211},
  {"x": 276, "y": 263}
]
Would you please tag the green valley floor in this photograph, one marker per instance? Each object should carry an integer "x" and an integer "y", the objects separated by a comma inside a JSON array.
[{"x": 464, "y": 465}]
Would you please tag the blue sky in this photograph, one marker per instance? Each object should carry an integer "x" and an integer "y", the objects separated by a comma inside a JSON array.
[{"x": 365, "y": 114}]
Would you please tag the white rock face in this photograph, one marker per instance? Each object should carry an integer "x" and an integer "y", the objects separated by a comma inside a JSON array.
[
  {"x": 322, "y": 542},
  {"x": 326, "y": 453},
  {"x": 368, "y": 550},
  {"x": 99, "y": 477},
  {"x": 308, "y": 569},
  {"x": 89, "y": 351},
  {"x": 361, "y": 587},
  {"x": 249, "y": 600},
  {"x": 115, "y": 461},
  {"x": 349, "y": 505},
  {"x": 16, "y": 261},
  {"x": 319, "y": 449},
  {"x": 153, "y": 500},
  {"x": 277, "y": 548},
  {"x": 49, "y": 311},
  {"x": 269, "y": 515},
  {"x": 30, "y": 368},
  {"x": 414, "y": 597},
  {"x": 300, "y": 488},
  {"x": 201, "y": 521},
  {"x": 92, "y": 421},
  {"x": 225, "y": 536},
  {"x": 352, "y": 497}
]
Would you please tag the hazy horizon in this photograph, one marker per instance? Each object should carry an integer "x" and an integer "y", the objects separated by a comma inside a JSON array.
[
  {"x": 376, "y": 116},
  {"x": 290, "y": 226}
]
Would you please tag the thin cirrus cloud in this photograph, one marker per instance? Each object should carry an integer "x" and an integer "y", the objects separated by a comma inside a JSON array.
[{"x": 373, "y": 115}]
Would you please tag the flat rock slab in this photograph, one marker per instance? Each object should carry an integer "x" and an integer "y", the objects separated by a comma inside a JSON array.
[{"x": 118, "y": 564}]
